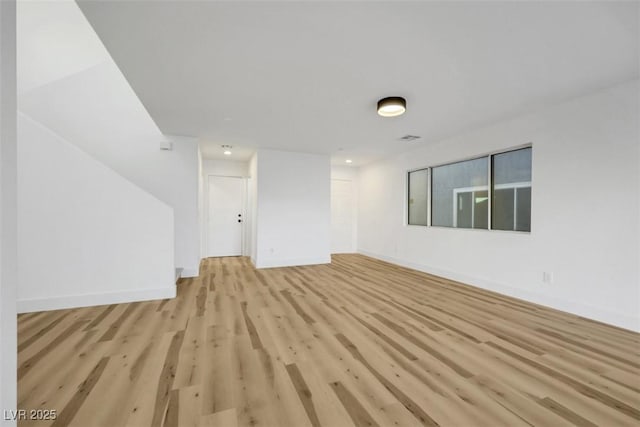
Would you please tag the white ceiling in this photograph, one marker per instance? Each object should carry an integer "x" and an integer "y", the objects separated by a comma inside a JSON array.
[{"x": 305, "y": 76}]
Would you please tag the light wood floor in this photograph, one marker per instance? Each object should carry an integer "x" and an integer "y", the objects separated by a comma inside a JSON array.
[{"x": 358, "y": 342}]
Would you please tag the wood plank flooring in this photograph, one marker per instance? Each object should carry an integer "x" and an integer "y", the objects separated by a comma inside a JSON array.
[{"x": 358, "y": 342}]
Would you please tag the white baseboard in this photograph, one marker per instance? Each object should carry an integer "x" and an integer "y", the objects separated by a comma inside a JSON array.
[
  {"x": 189, "y": 272},
  {"x": 580, "y": 309},
  {"x": 87, "y": 300},
  {"x": 292, "y": 262}
]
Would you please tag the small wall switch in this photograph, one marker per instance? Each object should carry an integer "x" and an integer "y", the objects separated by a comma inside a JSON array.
[{"x": 166, "y": 145}]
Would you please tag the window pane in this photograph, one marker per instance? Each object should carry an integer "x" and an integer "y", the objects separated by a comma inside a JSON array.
[
  {"x": 459, "y": 194},
  {"x": 523, "y": 209},
  {"x": 481, "y": 209},
  {"x": 511, "y": 202},
  {"x": 418, "y": 197},
  {"x": 464, "y": 212},
  {"x": 503, "y": 209}
]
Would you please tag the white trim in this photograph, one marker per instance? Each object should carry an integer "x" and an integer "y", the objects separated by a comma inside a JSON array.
[
  {"x": 88, "y": 300},
  {"x": 247, "y": 227},
  {"x": 292, "y": 262},
  {"x": 489, "y": 192},
  {"x": 407, "y": 197},
  {"x": 429, "y": 196},
  {"x": 570, "y": 306}
]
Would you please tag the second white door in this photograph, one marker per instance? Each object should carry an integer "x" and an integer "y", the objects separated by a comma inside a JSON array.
[
  {"x": 225, "y": 216},
  {"x": 342, "y": 205}
]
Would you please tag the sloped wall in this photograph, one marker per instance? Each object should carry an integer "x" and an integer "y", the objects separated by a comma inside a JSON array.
[{"x": 86, "y": 235}]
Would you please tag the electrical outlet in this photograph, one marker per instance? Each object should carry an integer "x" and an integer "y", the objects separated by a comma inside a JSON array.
[{"x": 547, "y": 277}]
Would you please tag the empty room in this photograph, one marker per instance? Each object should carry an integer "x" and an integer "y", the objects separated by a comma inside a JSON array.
[{"x": 319, "y": 213}]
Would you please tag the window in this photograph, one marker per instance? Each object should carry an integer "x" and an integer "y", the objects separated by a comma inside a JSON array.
[
  {"x": 459, "y": 194},
  {"x": 492, "y": 192},
  {"x": 418, "y": 184},
  {"x": 511, "y": 191}
]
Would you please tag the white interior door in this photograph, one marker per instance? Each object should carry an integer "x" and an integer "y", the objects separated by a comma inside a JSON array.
[
  {"x": 225, "y": 216},
  {"x": 342, "y": 210}
]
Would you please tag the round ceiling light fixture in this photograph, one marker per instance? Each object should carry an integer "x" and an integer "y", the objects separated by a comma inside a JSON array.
[
  {"x": 227, "y": 149},
  {"x": 392, "y": 106}
]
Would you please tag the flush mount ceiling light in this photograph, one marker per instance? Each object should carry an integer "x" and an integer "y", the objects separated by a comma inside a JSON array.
[
  {"x": 392, "y": 106},
  {"x": 227, "y": 149},
  {"x": 348, "y": 161}
]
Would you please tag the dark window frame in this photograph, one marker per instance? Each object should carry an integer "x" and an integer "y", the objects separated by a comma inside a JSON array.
[{"x": 490, "y": 191}]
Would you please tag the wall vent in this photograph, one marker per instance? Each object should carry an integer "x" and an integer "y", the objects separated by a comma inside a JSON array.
[{"x": 409, "y": 138}]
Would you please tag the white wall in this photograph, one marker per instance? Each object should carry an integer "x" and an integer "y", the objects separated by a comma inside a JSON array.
[
  {"x": 252, "y": 211},
  {"x": 94, "y": 236},
  {"x": 225, "y": 168},
  {"x": 201, "y": 206},
  {"x": 347, "y": 173},
  {"x": 88, "y": 102},
  {"x": 293, "y": 209},
  {"x": 8, "y": 210},
  {"x": 585, "y": 209}
]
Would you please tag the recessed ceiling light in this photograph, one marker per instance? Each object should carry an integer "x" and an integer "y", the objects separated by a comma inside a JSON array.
[
  {"x": 392, "y": 106},
  {"x": 227, "y": 153},
  {"x": 227, "y": 149},
  {"x": 349, "y": 161}
]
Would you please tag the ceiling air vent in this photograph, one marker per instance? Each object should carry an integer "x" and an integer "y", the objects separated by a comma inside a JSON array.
[{"x": 409, "y": 138}]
